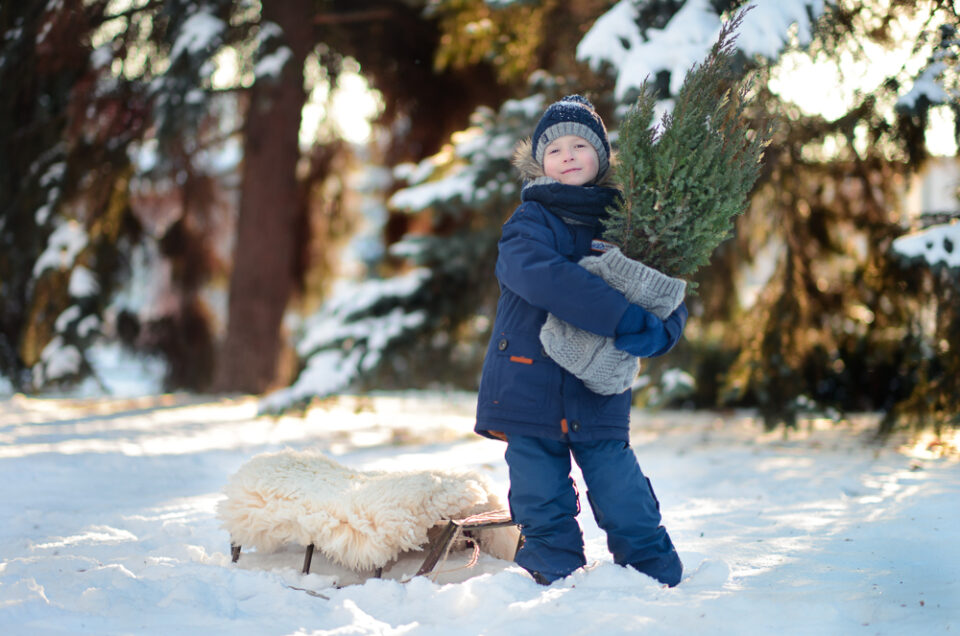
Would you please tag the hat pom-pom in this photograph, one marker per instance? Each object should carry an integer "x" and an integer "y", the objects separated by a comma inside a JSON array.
[{"x": 580, "y": 99}]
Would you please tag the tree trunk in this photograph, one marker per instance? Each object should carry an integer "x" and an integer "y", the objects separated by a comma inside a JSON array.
[{"x": 263, "y": 261}]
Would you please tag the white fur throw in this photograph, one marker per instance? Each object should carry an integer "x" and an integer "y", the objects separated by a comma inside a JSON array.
[{"x": 360, "y": 520}]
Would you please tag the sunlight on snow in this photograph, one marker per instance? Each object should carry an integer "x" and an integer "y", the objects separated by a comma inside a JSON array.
[
  {"x": 72, "y": 427},
  {"x": 768, "y": 524},
  {"x": 93, "y": 535},
  {"x": 930, "y": 445}
]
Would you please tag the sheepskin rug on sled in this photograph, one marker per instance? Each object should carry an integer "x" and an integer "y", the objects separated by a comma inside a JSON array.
[{"x": 360, "y": 520}]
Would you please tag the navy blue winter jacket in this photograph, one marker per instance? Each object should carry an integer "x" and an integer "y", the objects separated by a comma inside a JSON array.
[{"x": 523, "y": 391}]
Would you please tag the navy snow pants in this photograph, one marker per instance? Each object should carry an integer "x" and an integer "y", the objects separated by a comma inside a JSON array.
[{"x": 544, "y": 501}]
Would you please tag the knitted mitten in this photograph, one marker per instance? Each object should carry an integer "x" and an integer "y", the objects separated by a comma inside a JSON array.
[
  {"x": 594, "y": 359},
  {"x": 642, "y": 285}
]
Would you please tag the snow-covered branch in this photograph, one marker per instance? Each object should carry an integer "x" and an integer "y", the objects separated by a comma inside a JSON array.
[{"x": 615, "y": 38}]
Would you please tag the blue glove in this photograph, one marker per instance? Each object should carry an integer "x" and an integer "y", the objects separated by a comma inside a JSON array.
[
  {"x": 640, "y": 333},
  {"x": 634, "y": 320}
]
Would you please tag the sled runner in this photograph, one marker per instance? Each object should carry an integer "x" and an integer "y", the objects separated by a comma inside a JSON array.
[{"x": 359, "y": 520}]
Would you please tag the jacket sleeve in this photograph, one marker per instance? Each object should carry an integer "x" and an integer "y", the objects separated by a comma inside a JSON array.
[
  {"x": 531, "y": 266},
  {"x": 674, "y": 325}
]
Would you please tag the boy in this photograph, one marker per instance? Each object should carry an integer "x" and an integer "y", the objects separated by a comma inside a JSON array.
[{"x": 544, "y": 413}]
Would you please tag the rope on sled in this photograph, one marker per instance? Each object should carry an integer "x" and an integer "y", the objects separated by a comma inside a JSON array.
[{"x": 446, "y": 553}]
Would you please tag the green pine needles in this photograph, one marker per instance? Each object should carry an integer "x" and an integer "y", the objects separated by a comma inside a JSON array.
[{"x": 686, "y": 180}]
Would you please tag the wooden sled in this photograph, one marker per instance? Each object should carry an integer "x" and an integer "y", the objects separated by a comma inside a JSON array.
[
  {"x": 448, "y": 534},
  {"x": 363, "y": 521}
]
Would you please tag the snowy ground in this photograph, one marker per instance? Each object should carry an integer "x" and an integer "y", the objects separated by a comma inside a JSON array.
[{"x": 109, "y": 527}]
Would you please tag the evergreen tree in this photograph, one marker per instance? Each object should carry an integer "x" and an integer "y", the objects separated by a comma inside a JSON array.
[
  {"x": 427, "y": 323},
  {"x": 423, "y": 317},
  {"x": 835, "y": 327},
  {"x": 831, "y": 328},
  {"x": 685, "y": 181},
  {"x": 101, "y": 87},
  {"x": 64, "y": 212},
  {"x": 929, "y": 256},
  {"x": 146, "y": 92}
]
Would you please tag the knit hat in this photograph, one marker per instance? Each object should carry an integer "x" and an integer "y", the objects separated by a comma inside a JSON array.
[{"x": 572, "y": 115}]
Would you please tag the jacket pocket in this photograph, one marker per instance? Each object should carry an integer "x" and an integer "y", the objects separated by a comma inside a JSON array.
[
  {"x": 611, "y": 409},
  {"x": 524, "y": 378}
]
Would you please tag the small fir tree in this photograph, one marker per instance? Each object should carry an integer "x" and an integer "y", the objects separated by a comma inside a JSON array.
[{"x": 686, "y": 180}]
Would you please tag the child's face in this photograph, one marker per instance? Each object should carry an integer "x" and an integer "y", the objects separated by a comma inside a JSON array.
[{"x": 571, "y": 160}]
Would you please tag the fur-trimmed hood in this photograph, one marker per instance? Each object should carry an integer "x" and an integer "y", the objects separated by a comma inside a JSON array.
[
  {"x": 586, "y": 204},
  {"x": 530, "y": 169}
]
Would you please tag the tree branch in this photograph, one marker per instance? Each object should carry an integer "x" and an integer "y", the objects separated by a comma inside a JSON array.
[
  {"x": 368, "y": 15},
  {"x": 133, "y": 11}
]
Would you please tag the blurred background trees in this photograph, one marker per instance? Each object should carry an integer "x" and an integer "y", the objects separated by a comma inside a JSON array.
[{"x": 178, "y": 187}]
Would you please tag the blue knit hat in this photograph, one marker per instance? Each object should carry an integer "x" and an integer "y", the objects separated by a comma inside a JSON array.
[{"x": 572, "y": 115}]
